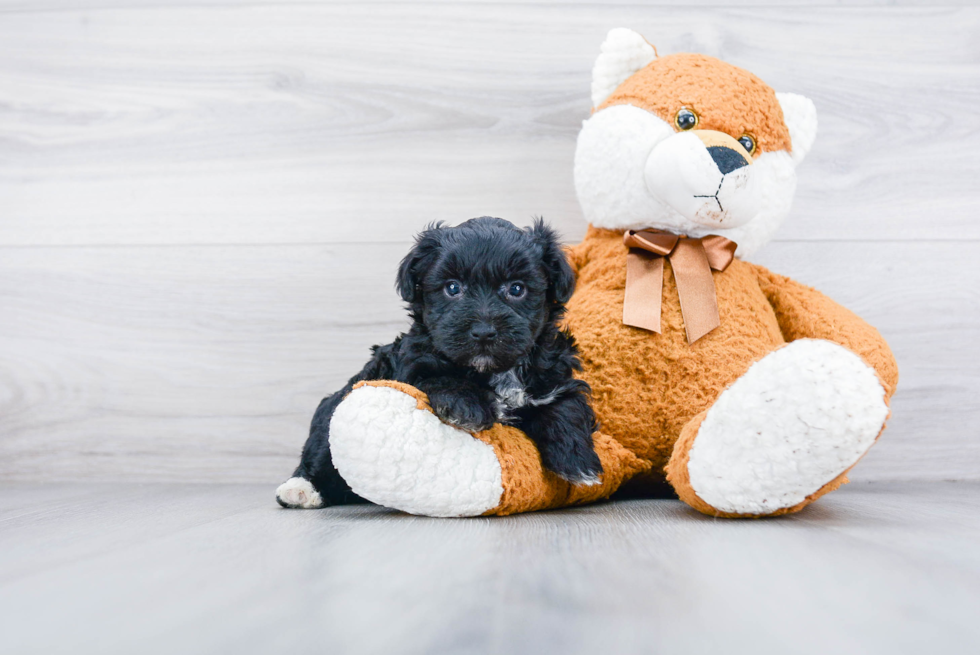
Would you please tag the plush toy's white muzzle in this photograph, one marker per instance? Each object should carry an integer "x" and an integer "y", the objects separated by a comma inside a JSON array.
[
  {"x": 706, "y": 177},
  {"x": 634, "y": 171}
]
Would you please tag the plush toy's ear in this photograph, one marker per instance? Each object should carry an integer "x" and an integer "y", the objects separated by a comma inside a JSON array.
[
  {"x": 416, "y": 262},
  {"x": 561, "y": 277},
  {"x": 801, "y": 118},
  {"x": 623, "y": 53}
]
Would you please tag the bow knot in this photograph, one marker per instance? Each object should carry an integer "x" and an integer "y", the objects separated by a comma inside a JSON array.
[{"x": 692, "y": 261}]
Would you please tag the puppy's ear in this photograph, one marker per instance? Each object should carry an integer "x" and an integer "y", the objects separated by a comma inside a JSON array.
[
  {"x": 561, "y": 277},
  {"x": 416, "y": 262}
]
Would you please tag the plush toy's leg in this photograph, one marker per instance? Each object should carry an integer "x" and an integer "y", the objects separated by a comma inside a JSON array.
[
  {"x": 782, "y": 435},
  {"x": 391, "y": 449}
]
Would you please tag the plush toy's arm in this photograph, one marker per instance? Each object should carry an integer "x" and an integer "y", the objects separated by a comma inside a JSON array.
[{"x": 804, "y": 312}]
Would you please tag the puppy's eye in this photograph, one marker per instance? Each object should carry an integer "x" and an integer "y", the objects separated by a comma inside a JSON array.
[
  {"x": 685, "y": 119},
  {"x": 516, "y": 290},
  {"x": 748, "y": 143},
  {"x": 453, "y": 288}
]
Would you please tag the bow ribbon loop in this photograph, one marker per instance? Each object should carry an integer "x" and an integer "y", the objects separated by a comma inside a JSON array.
[{"x": 692, "y": 261}]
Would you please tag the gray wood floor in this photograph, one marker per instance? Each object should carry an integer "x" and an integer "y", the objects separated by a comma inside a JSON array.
[{"x": 168, "y": 568}]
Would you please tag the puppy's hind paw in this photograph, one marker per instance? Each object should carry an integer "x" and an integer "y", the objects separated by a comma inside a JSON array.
[{"x": 298, "y": 493}]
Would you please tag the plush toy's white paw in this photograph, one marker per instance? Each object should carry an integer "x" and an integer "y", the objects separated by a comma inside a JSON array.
[
  {"x": 793, "y": 422},
  {"x": 397, "y": 455},
  {"x": 298, "y": 493}
]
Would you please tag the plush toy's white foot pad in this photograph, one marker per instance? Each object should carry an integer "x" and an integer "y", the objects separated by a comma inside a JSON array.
[
  {"x": 298, "y": 493},
  {"x": 397, "y": 455},
  {"x": 793, "y": 422}
]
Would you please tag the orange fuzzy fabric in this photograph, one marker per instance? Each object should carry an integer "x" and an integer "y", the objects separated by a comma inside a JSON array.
[
  {"x": 673, "y": 82},
  {"x": 647, "y": 387},
  {"x": 529, "y": 487}
]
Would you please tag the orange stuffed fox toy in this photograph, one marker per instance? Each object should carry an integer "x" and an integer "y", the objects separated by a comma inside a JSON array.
[{"x": 751, "y": 394}]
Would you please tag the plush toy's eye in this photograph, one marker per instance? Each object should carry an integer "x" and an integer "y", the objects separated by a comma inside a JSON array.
[
  {"x": 453, "y": 288},
  {"x": 516, "y": 290},
  {"x": 686, "y": 119},
  {"x": 748, "y": 143}
]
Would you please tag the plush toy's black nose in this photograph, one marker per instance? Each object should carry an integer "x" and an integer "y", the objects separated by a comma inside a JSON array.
[
  {"x": 727, "y": 159},
  {"x": 483, "y": 332}
]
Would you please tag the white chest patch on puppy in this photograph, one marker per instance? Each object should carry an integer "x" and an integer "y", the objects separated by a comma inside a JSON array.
[{"x": 510, "y": 393}]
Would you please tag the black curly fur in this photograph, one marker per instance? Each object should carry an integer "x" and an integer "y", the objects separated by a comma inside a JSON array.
[{"x": 442, "y": 355}]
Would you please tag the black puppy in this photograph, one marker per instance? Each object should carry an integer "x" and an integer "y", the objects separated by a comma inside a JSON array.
[{"x": 485, "y": 299}]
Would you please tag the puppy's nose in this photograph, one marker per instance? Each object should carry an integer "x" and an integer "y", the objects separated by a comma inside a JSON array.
[{"x": 483, "y": 332}]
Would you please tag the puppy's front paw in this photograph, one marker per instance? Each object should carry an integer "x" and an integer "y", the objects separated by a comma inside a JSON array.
[
  {"x": 571, "y": 462},
  {"x": 462, "y": 411}
]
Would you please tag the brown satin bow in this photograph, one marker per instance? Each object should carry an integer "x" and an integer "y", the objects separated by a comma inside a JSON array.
[{"x": 691, "y": 261}]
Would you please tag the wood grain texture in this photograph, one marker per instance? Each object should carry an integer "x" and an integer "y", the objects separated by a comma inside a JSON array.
[
  {"x": 188, "y": 194},
  {"x": 310, "y": 123},
  {"x": 114, "y": 568}
]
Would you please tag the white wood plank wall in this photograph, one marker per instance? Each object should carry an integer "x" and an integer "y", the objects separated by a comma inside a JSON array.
[{"x": 202, "y": 204}]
